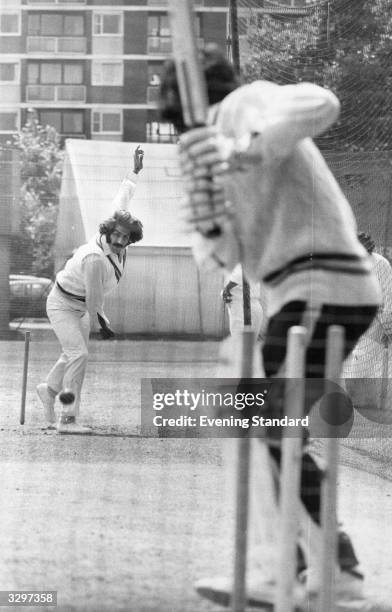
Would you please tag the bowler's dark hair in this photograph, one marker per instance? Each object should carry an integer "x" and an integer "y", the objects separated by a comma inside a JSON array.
[
  {"x": 124, "y": 218},
  {"x": 220, "y": 76},
  {"x": 367, "y": 242}
]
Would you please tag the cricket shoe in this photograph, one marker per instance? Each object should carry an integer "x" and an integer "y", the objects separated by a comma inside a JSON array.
[
  {"x": 348, "y": 584},
  {"x": 47, "y": 400},
  {"x": 259, "y": 593},
  {"x": 68, "y": 425}
]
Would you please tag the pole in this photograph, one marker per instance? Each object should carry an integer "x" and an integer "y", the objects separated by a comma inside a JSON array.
[
  {"x": 290, "y": 477},
  {"x": 24, "y": 379},
  {"x": 235, "y": 46}
]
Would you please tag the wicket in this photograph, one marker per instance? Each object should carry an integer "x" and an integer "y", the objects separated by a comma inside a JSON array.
[
  {"x": 290, "y": 478},
  {"x": 327, "y": 564},
  {"x": 24, "y": 378},
  {"x": 291, "y": 470}
]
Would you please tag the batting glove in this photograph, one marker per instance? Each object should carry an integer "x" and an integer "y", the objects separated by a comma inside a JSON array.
[
  {"x": 206, "y": 206},
  {"x": 205, "y": 147}
]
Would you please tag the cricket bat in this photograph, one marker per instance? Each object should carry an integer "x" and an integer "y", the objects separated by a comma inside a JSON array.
[
  {"x": 191, "y": 83},
  {"x": 194, "y": 101}
]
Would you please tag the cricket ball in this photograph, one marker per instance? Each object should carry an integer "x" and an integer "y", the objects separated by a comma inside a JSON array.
[{"x": 67, "y": 397}]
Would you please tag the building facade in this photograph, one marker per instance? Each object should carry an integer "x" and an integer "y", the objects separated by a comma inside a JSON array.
[{"x": 91, "y": 68}]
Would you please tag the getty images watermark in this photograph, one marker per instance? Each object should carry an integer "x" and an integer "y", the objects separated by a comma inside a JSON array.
[
  {"x": 210, "y": 407},
  {"x": 255, "y": 407}
]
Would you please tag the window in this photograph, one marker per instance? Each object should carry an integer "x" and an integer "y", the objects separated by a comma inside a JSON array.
[
  {"x": 107, "y": 122},
  {"x": 158, "y": 25},
  {"x": 159, "y": 34},
  {"x": 73, "y": 25},
  {"x": 52, "y": 24},
  {"x": 154, "y": 74},
  {"x": 8, "y": 121},
  {"x": 107, "y": 73},
  {"x": 165, "y": 2},
  {"x": 65, "y": 122},
  {"x": 154, "y": 80},
  {"x": 107, "y": 24},
  {"x": 9, "y": 72},
  {"x": 10, "y": 23},
  {"x": 72, "y": 123},
  {"x": 55, "y": 82},
  {"x": 160, "y": 132},
  {"x": 70, "y": 73},
  {"x": 52, "y": 118},
  {"x": 50, "y": 73}
]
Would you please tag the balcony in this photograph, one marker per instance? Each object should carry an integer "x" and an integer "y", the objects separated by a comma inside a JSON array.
[
  {"x": 56, "y": 93},
  {"x": 157, "y": 45},
  {"x": 69, "y": 2},
  {"x": 165, "y": 3},
  {"x": 162, "y": 45},
  {"x": 53, "y": 44},
  {"x": 107, "y": 45}
]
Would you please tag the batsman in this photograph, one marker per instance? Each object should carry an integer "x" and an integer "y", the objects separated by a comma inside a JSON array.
[{"x": 260, "y": 193}]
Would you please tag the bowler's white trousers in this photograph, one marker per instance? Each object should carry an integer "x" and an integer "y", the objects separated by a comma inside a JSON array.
[{"x": 71, "y": 324}]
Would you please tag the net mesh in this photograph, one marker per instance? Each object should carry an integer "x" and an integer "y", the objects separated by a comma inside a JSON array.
[
  {"x": 344, "y": 45},
  {"x": 365, "y": 179}
]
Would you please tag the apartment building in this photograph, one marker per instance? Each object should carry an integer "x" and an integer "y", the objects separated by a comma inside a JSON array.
[{"x": 91, "y": 68}]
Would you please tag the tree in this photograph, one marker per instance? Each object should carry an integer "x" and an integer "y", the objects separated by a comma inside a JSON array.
[
  {"x": 345, "y": 45},
  {"x": 41, "y": 169},
  {"x": 283, "y": 49}
]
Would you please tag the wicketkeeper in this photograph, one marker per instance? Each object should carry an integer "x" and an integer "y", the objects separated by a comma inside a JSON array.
[
  {"x": 76, "y": 301},
  {"x": 276, "y": 208}
]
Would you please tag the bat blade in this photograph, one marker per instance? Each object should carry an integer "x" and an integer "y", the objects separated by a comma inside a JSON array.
[{"x": 192, "y": 86}]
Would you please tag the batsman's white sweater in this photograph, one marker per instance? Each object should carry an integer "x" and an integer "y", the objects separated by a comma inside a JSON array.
[{"x": 293, "y": 228}]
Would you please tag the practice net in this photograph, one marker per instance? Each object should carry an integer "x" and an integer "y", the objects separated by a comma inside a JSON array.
[{"x": 344, "y": 45}]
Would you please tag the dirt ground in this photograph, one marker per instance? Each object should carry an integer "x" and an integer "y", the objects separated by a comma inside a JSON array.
[{"x": 117, "y": 522}]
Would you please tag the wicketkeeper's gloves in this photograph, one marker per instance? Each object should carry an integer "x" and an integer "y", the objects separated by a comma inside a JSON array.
[{"x": 105, "y": 332}]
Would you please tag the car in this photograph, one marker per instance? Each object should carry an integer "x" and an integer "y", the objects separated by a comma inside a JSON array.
[{"x": 28, "y": 295}]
